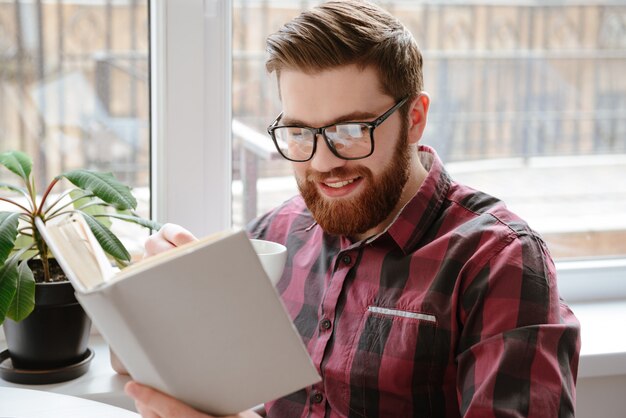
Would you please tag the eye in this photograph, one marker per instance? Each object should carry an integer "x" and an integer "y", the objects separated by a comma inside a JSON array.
[
  {"x": 350, "y": 130},
  {"x": 290, "y": 134},
  {"x": 346, "y": 133},
  {"x": 299, "y": 135}
]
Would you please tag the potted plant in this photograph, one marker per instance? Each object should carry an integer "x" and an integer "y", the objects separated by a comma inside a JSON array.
[{"x": 45, "y": 327}]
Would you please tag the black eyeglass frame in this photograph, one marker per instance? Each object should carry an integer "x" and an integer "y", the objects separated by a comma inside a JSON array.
[{"x": 322, "y": 131}]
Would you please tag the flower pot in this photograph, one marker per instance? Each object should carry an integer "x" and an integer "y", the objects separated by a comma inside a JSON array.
[{"x": 54, "y": 335}]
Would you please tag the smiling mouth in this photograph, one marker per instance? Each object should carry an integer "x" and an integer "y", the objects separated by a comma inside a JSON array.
[{"x": 339, "y": 184}]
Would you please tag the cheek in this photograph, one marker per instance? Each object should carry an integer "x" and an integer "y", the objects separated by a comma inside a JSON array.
[
  {"x": 381, "y": 158},
  {"x": 385, "y": 141},
  {"x": 386, "y": 145}
]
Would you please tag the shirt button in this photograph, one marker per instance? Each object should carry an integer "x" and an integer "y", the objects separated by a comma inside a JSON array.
[
  {"x": 346, "y": 259},
  {"x": 317, "y": 397},
  {"x": 325, "y": 324}
]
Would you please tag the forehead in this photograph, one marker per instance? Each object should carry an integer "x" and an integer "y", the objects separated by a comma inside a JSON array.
[{"x": 317, "y": 98}]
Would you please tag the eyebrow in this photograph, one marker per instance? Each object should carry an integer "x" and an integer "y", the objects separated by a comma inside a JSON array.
[{"x": 350, "y": 117}]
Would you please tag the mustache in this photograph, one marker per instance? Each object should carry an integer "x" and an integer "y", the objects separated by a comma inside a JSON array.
[{"x": 339, "y": 172}]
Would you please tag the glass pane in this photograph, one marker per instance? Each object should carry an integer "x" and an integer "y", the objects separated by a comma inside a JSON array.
[
  {"x": 528, "y": 104},
  {"x": 261, "y": 177},
  {"x": 74, "y": 90}
]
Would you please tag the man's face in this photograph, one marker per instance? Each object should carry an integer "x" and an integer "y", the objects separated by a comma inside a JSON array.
[{"x": 347, "y": 197}]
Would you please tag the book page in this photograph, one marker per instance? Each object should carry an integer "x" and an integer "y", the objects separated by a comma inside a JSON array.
[{"x": 76, "y": 249}]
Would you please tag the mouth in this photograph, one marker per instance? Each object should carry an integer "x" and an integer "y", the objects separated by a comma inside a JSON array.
[
  {"x": 339, "y": 188},
  {"x": 339, "y": 184}
]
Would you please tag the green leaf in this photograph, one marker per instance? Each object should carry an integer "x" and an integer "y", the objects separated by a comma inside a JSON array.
[
  {"x": 17, "y": 162},
  {"x": 93, "y": 210},
  {"x": 8, "y": 286},
  {"x": 24, "y": 299},
  {"x": 108, "y": 241},
  {"x": 104, "y": 186},
  {"x": 8, "y": 233},
  {"x": 121, "y": 264},
  {"x": 146, "y": 223}
]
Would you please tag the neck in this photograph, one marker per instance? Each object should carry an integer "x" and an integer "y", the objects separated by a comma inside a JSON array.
[{"x": 417, "y": 175}]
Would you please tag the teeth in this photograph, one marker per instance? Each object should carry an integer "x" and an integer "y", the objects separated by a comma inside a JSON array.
[{"x": 339, "y": 184}]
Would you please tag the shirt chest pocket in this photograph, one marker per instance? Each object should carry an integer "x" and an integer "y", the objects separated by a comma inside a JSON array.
[{"x": 391, "y": 363}]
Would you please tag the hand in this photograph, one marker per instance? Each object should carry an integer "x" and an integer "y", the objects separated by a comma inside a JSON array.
[
  {"x": 151, "y": 403},
  {"x": 169, "y": 236}
]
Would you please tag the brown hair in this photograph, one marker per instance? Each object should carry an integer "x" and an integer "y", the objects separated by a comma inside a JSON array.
[{"x": 344, "y": 32}]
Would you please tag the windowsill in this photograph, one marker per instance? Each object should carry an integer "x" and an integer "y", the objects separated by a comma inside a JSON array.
[
  {"x": 100, "y": 383},
  {"x": 603, "y": 351},
  {"x": 603, "y": 354}
]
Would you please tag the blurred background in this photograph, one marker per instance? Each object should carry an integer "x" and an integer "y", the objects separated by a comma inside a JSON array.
[{"x": 528, "y": 103}]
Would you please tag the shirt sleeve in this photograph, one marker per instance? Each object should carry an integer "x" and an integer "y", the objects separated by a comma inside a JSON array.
[{"x": 519, "y": 345}]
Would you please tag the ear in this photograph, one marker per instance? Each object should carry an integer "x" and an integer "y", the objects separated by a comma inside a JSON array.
[{"x": 418, "y": 113}]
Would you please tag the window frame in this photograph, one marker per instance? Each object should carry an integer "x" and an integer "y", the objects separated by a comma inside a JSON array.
[
  {"x": 190, "y": 61},
  {"x": 592, "y": 281}
]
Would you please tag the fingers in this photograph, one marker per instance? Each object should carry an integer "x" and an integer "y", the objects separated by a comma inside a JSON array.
[
  {"x": 154, "y": 404},
  {"x": 176, "y": 234},
  {"x": 155, "y": 245},
  {"x": 144, "y": 411},
  {"x": 168, "y": 237}
]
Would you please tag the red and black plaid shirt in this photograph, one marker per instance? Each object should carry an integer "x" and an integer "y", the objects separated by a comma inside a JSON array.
[{"x": 452, "y": 311}]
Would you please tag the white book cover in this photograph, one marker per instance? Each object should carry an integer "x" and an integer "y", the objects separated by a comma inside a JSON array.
[{"x": 202, "y": 322}]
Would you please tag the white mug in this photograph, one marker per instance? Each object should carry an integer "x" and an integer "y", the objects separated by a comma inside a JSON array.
[{"x": 273, "y": 256}]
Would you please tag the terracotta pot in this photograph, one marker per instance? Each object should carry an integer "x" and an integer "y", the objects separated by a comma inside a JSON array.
[{"x": 54, "y": 335}]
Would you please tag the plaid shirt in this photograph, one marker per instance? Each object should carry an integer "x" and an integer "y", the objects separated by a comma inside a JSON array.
[{"x": 452, "y": 311}]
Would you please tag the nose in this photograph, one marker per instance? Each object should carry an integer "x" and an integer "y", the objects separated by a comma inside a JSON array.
[{"x": 324, "y": 160}]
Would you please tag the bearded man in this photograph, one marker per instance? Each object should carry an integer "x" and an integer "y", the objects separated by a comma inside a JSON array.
[{"x": 414, "y": 295}]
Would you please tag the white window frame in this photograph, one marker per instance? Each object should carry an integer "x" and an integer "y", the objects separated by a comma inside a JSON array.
[
  {"x": 592, "y": 281},
  {"x": 191, "y": 113}
]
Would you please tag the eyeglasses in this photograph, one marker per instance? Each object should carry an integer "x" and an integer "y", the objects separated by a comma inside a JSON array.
[{"x": 346, "y": 140}]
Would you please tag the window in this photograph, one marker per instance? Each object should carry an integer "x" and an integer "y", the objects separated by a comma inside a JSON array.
[
  {"x": 74, "y": 90},
  {"x": 527, "y": 104}
]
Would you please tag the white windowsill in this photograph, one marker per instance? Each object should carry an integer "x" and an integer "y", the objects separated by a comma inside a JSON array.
[
  {"x": 603, "y": 354},
  {"x": 100, "y": 383},
  {"x": 603, "y": 351}
]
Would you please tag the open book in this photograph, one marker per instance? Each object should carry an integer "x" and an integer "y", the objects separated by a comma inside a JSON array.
[{"x": 201, "y": 322}]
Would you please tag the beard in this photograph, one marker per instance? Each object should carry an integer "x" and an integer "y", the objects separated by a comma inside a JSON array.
[{"x": 378, "y": 198}]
